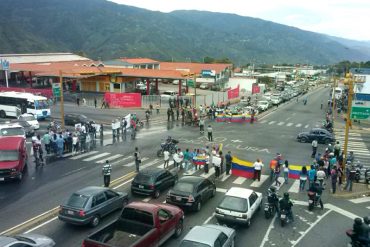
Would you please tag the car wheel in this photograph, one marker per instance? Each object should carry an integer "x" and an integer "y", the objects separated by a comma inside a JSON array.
[
  {"x": 260, "y": 206},
  {"x": 179, "y": 228},
  {"x": 304, "y": 139},
  {"x": 95, "y": 221},
  {"x": 198, "y": 206},
  {"x": 2, "y": 114},
  {"x": 125, "y": 202},
  {"x": 248, "y": 223},
  {"x": 213, "y": 192},
  {"x": 156, "y": 194}
]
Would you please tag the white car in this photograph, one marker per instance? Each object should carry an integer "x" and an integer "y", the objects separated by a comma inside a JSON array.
[
  {"x": 204, "y": 86},
  {"x": 29, "y": 118},
  {"x": 263, "y": 105},
  {"x": 275, "y": 100},
  {"x": 238, "y": 206},
  {"x": 169, "y": 94},
  {"x": 12, "y": 129}
]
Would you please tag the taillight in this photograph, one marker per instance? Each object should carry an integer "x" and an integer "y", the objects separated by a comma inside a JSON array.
[
  {"x": 191, "y": 199},
  {"x": 81, "y": 213},
  {"x": 151, "y": 186}
]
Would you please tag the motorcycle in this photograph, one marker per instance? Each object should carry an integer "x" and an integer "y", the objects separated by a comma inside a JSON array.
[
  {"x": 354, "y": 241},
  {"x": 284, "y": 219},
  {"x": 313, "y": 200},
  {"x": 54, "y": 126},
  {"x": 269, "y": 210},
  {"x": 170, "y": 146}
]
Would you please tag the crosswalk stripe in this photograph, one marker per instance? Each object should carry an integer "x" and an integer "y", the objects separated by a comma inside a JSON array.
[
  {"x": 356, "y": 151},
  {"x": 272, "y": 122},
  {"x": 67, "y": 155},
  {"x": 162, "y": 165},
  {"x": 210, "y": 173},
  {"x": 306, "y": 126},
  {"x": 83, "y": 155},
  {"x": 95, "y": 157},
  {"x": 368, "y": 207},
  {"x": 281, "y": 180},
  {"x": 133, "y": 162},
  {"x": 110, "y": 158},
  {"x": 295, "y": 187},
  {"x": 281, "y": 123},
  {"x": 119, "y": 161},
  {"x": 263, "y": 121},
  {"x": 222, "y": 190},
  {"x": 239, "y": 180},
  {"x": 289, "y": 124},
  {"x": 224, "y": 177},
  {"x": 259, "y": 183},
  {"x": 149, "y": 163},
  {"x": 360, "y": 200},
  {"x": 298, "y": 125}
]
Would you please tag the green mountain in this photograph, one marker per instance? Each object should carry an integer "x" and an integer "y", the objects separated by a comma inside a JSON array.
[{"x": 102, "y": 29}]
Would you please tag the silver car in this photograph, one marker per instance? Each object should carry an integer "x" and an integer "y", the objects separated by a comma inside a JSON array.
[
  {"x": 89, "y": 205},
  {"x": 209, "y": 236},
  {"x": 27, "y": 239}
]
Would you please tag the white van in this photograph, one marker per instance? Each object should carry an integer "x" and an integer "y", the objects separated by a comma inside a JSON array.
[{"x": 337, "y": 93}]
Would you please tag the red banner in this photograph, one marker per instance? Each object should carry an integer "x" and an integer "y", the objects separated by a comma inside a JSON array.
[
  {"x": 233, "y": 93},
  {"x": 255, "y": 89},
  {"x": 46, "y": 92},
  {"x": 123, "y": 99}
]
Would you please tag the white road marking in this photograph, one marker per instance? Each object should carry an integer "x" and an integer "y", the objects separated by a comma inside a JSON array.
[
  {"x": 295, "y": 187},
  {"x": 258, "y": 184},
  {"x": 221, "y": 190},
  {"x": 320, "y": 217},
  {"x": 289, "y": 124},
  {"x": 149, "y": 164},
  {"x": 368, "y": 207},
  {"x": 73, "y": 171},
  {"x": 83, "y": 155},
  {"x": 110, "y": 158},
  {"x": 119, "y": 161},
  {"x": 224, "y": 177},
  {"x": 306, "y": 126},
  {"x": 190, "y": 172},
  {"x": 209, "y": 218},
  {"x": 239, "y": 180},
  {"x": 210, "y": 173},
  {"x": 95, "y": 157},
  {"x": 264, "y": 121},
  {"x": 341, "y": 211},
  {"x": 272, "y": 122},
  {"x": 266, "y": 237},
  {"x": 162, "y": 165},
  {"x": 133, "y": 162},
  {"x": 281, "y": 123},
  {"x": 147, "y": 199},
  {"x": 361, "y": 200},
  {"x": 120, "y": 185},
  {"x": 281, "y": 180},
  {"x": 298, "y": 125},
  {"x": 41, "y": 225},
  {"x": 67, "y": 155}
]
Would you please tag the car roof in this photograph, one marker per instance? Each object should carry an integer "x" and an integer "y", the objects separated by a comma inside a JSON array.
[
  {"x": 191, "y": 179},
  {"x": 91, "y": 190},
  {"x": 26, "y": 115},
  {"x": 10, "y": 125},
  {"x": 11, "y": 142},
  {"x": 315, "y": 129},
  {"x": 5, "y": 240},
  {"x": 239, "y": 192},
  {"x": 203, "y": 234}
]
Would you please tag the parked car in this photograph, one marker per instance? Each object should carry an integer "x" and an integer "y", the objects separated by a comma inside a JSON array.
[
  {"x": 169, "y": 95},
  {"x": 30, "y": 119},
  {"x": 204, "y": 86},
  {"x": 72, "y": 119},
  {"x": 12, "y": 129},
  {"x": 90, "y": 204},
  {"x": 321, "y": 135},
  {"x": 209, "y": 235},
  {"x": 263, "y": 105},
  {"x": 13, "y": 157},
  {"x": 275, "y": 100},
  {"x": 153, "y": 181},
  {"x": 26, "y": 240},
  {"x": 28, "y": 128},
  {"x": 191, "y": 192},
  {"x": 238, "y": 206},
  {"x": 140, "y": 225}
]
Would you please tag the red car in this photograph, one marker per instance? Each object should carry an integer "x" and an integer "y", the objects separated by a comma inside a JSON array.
[
  {"x": 140, "y": 225},
  {"x": 13, "y": 157}
]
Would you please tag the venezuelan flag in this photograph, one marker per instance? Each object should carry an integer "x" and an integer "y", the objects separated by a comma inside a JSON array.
[
  {"x": 199, "y": 160},
  {"x": 242, "y": 168},
  {"x": 295, "y": 170}
]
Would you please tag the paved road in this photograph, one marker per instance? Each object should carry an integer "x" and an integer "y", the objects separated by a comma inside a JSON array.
[{"x": 46, "y": 188}]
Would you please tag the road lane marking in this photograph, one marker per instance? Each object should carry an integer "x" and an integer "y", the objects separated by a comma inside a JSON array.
[
  {"x": 95, "y": 157},
  {"x": 119, "y": 161},
  {"x": 272, "y": 122},
  {"x": 368, "y": 207},
  {"x": 224, "y": 177},
  {"x": 266, "y": 237},
  {"x": 298, "y": 125},
  {"x": 210, "y": 173},
  {"x": 41, "y": 225},
  {"x": 122, "y": 184},
  {"x": 110, "y": 158},
  {"x": 306, "y": 126},
  {"x": 221, "y": 190},
  {"x": 361, "y": 200},
  {"x": 73, "y": 171},
  {"x": 289, "y": 124},
  {"x": 239, "y": 180},
  {"x": 209, "y": 218},
  {"x": 169, "y": 164},
  {"x": 257, "y": 183},
  {"x": 67, "y": 155},
  {"x": 281, "y": 180},
  {"x": 320, "y": 217},
  {"x": 133, "y": 162},
  {"x": 281, "y": 123},
  {"x": 295, "y": 187},
  {"x": 264, "y": 121},
  {"x": 83, "y": 155}
]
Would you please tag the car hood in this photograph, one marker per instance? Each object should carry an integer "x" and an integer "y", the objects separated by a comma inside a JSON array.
[
  {"x": 41, "y": 240},
  {"x": 8, "y": 164}
]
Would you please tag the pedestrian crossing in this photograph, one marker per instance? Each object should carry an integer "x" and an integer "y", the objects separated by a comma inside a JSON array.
[
  {"x": 355, "y": 144},
  {"x": 289, "y": 124}
]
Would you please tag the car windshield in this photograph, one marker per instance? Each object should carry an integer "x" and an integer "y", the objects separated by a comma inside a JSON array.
[
  {"x": 234, "y": 204},
  {"x": 23, "y": 124},
  {"x": 144, "y": 178},
  {"x": 41, "y": 104},
  {"x": 9, "y": 155},
  {"x": 12, "y": 132},
  {"x": 188, "y": 243},
  {"x": 27, "y": 118},
  {"x": 184, "y": 187},
  {"x": 77, "y": 201}
]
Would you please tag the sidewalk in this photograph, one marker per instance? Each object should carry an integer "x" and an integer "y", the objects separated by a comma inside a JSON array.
[
  {"x": 340, "y": 123},
  {"x": 358, "y": 190}
]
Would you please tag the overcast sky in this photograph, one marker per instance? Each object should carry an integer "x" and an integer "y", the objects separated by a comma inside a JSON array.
[{"x": 343, "y": 18}]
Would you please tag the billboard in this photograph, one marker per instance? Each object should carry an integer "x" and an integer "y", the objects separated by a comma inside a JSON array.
[
  {"x": 208, "y": 73},
  {"x": 233, "y": 93},
  {"x": 255, "y": 88},
  {"x": 123, "y": 99}
]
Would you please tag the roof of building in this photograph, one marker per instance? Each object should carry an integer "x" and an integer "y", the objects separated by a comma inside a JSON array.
[
  {"x": 194, "y": 67},
  {"x": 42, "y": 57},
  {"x": 139, "y": 60}
]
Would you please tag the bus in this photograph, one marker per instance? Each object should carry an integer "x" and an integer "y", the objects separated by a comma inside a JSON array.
[{"x": 13, "y": 104}]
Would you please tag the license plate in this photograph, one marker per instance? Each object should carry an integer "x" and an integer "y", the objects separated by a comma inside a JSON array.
[
  {"x": 310, "y": 201},
  {"x": 266, "y": 208},
  {"x": 178, "y": 198},
  {"x": 1, "y": 179},
  {"x": 283, "y": 216},
  {"x": 141, "y": 186},
  {"x": 70, "y": 212}
]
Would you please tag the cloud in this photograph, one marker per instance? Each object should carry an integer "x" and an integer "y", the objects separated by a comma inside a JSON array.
[{"x": 343, "y": 18}]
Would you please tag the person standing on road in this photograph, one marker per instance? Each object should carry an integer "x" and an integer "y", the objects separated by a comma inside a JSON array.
[
  {"x": 95, "y": 102},
  {"x": 314, "y": 148},
  {"x": 351, "y": 178},
  {"x": 60, "y": 145},
  {"x": 107, "y": 169},
  {"x": 177, "y": 113},
  {"x": 229, "y": 160},
  {"x": 168, "y": 114},
  {"x": 210, "y": 134},
  {"x": 311, "y": 175},
  {"x": 337, "y": 149},
  {"x": 46, "y": 140},
  {"x": 334, "y": 178},
  {"x": 178, "y": 157},
  {"x": 286, "y": 171},
  {"x": 137, "y": 159},
  {"x": 166, "y": 157},
  {"x": 321, "y": 175},
  {"x": 216, "y": 160},
  {"x": 201, "y": 125},
  {"x": 277, "y": 174},
  {"x": 78, "y": 101},
  {"x": 222, "y": 162},
  {"x": 74, "y": 144},
  {"x": 257, "y": 169},
  {"x": 302, "y": 178}
]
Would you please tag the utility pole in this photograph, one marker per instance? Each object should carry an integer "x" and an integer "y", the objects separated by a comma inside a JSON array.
[
  {"x": 61, "y": 98},
  {"x": 195, "y": 90},
  {"x": 333, "y": 97}
]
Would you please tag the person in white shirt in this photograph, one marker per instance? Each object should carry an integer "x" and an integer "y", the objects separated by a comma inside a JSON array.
[
  {"x": 321, "y": 175},
  {"x": 75, "y": 144},
  {"x": 177, "y": 158},
  {"x": 314, "y": 148},
  {"x": 257, "y": 169},
  {"x": 88, "y": 140},
  {"x": 166, "y": 156},
  {"x": 216, "y": 159}
]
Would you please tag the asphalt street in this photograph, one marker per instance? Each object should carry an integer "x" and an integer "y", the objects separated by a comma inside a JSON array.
[{"x": 46, "y": 188}]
